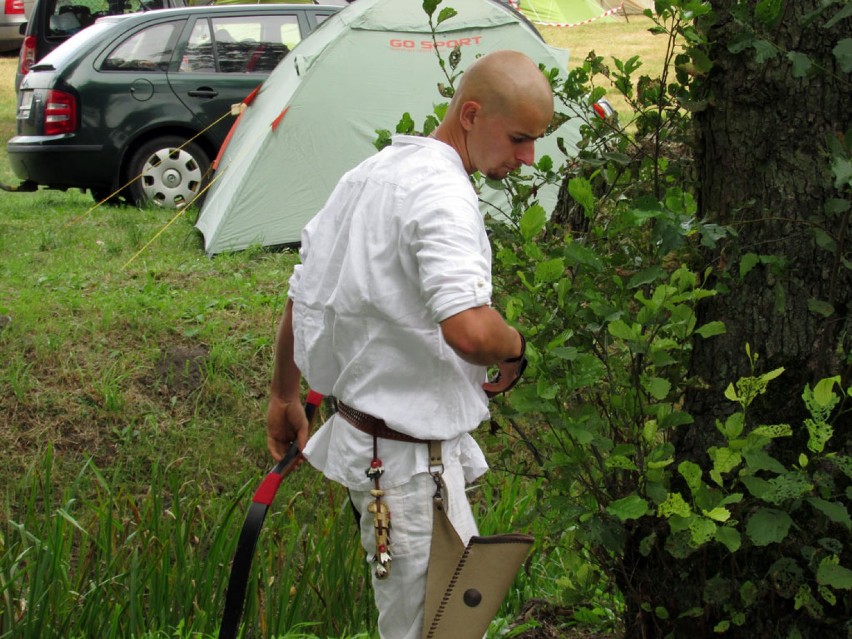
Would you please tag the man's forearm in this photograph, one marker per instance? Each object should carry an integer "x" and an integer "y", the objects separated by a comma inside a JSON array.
[
  {"x": 481, "y": 336},
  {"x": 286, "y": 376}
]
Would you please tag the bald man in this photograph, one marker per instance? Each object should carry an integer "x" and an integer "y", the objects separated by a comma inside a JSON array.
[{"x": 390, "y": 313}]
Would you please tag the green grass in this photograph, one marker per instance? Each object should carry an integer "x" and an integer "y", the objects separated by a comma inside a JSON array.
[{"x": 132, "y": 396}]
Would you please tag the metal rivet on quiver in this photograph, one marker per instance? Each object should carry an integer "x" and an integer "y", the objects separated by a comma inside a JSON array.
[{"x": 472, "y": 597}]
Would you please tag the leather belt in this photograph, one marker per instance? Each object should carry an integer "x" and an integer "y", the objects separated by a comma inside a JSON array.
[{"x": 373, "y": 425}]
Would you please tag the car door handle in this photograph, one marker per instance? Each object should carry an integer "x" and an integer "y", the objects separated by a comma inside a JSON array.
[{"x": 203, "y": 92}]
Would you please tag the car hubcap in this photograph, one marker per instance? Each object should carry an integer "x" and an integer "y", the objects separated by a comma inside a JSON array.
[{"x": 171, "y": 178}]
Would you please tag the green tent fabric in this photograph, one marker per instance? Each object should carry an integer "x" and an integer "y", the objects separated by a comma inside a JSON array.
[
  {"x": 316, "y": 115},
  {"x": 560, "y": 11}
]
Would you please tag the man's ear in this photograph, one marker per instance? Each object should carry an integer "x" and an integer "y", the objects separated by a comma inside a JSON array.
[{"x": 467, "y": 114}]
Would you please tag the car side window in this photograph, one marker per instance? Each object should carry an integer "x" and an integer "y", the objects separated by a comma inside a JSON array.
[
  {"x": 198, "y": 54},
  {"x": 253, "y": 44},
  {"x": 150, "y": 49}
]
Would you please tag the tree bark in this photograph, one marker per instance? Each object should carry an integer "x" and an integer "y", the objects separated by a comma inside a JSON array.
[{"x": 764, "y": 170}]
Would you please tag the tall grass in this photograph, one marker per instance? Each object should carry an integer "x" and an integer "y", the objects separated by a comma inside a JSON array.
[{"x": 103, "y": 562}]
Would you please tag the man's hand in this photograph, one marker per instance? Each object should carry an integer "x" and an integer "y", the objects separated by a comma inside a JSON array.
[
  {"x": 508, "y": 374},
  {"x": 509, "y": 371},
  {"x": 286, "y": 423}
]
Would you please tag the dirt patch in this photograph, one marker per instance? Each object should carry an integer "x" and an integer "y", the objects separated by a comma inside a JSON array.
[{"x": 180, "y": 370}]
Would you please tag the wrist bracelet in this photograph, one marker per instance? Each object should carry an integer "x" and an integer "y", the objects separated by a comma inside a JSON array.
[{"x": 523, "y": 350}]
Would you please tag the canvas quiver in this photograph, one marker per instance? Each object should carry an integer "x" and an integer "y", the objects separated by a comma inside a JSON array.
[{"x": 465, "y": 585}]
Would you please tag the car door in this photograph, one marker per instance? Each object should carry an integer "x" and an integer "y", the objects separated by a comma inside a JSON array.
[{"x": 225, "y": 58}]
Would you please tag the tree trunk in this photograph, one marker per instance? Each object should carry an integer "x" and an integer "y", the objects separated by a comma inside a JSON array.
[{"x": 764, "y": 170}]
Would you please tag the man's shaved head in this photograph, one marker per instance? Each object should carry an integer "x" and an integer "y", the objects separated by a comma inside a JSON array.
[
  {"x": 502, "y": 79},
  {"x": 503, "y": 104}
]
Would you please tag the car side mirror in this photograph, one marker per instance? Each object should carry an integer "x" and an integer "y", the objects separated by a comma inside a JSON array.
[{"x": 22, "y": 29}]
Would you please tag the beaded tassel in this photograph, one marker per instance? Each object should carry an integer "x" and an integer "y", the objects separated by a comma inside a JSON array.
[{"x": 381, "y": 516}]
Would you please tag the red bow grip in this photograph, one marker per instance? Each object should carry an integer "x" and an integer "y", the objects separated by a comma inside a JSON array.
[{"x": 265, "y": 493}]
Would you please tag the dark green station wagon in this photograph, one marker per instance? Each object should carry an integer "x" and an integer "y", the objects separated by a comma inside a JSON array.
[{"x": 148, "y": 95}]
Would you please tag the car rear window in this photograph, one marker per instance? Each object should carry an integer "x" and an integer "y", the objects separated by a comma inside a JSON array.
[
  {"x": 72, "y": 16},
  {"x": 68, "y": 49}
]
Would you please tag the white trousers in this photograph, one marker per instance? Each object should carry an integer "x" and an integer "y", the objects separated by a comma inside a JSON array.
[{"x": 400, "y": 596}]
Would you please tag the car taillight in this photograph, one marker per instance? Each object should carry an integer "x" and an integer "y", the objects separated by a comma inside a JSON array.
[
  {"x": 26, "y": 59},
  {"x": 14, "y": 6},
  {"x": 60, "y": 113}
]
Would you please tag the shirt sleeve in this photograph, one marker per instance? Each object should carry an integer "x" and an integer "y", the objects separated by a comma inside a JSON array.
[{"x": 448, "y": 240}]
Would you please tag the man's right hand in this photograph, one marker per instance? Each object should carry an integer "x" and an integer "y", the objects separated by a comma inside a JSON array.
[{"x": 286, "y": 423}]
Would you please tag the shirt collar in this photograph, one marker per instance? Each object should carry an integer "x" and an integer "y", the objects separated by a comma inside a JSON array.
[{"x": 431, "y": 143}]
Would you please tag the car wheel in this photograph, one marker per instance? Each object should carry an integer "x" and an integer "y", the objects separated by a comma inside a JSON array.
[{"x": 170, "y": 172}]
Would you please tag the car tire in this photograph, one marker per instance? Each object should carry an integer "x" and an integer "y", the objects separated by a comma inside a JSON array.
[{"x": 168, "y": 172}]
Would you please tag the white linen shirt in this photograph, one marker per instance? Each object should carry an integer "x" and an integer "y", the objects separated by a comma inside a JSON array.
[{"x": 399, "y": 247}]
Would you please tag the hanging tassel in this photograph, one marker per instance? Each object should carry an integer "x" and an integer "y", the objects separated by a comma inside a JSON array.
[
  {"x": 381, "y": 515},
  {"x": 381, "y": 522},
  {"x": 375, "y": 470}
]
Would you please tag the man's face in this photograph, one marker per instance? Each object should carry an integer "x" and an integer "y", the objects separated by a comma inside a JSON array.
[{"x": 498, "y": 143}]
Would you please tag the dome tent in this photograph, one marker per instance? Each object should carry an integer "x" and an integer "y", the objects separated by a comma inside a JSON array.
[{"x": 316, "y": 115}]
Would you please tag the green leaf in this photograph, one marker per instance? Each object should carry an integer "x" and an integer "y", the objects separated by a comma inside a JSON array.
[
  {"x": 581, "y": 435},
  {"x": 761, "y": 460},
  {"x": 630, "y": 507},
  {"x": 405, "y": 124},
  {"x": 764, "y": 51},
  {"x": 843, "y": 54},
  {"x": 729, "y": 537},
  {"x": 768, "y": 12},
  {"x": 820, "y": 307},
  {"x": 532, "y": 221},
  {"x": 724, "y": 461},
  {"x": 549, "y": 270},
  {"x": 790, "y": 485},
  {"x": 657, "y": 387},
  {"x": 801, "y": 63},
  {"x": 446, "y": 14},
  {"x": 768, "y": 526},
  {"x": 718, "y": 514},
  {"x": 824, "y": 390},
  {"x": 581, "y": 190},
  {"x": 836, "y": 206},
  {"x": 429, "y": 6},
  {"x": 734, "y": 425},
  {"x": 834, "y": 576},
  {"x": 647, "y": 544},
  {"x": 773, "y": 431},
  {"x": 646, "y": 277},
  {"x": 824, "y": 240},
  {"x": 731, "y": 393},
  {"x": 674, "y": 505},
  {"x": 834, "y": 510},
  {"x": 621, "y": 330},
  {"x": 845, "y": 12},
  {"x": 544, "y": 164},
  {"x": 756, "y": 486},
  {"x": 701, "y": 530},
  {"x": 711, "y": 329},
  {"x": 748, "y": 262},
  {"x": 691, "y": 472}
]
